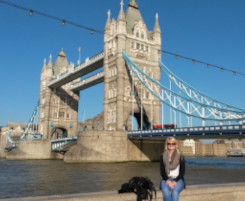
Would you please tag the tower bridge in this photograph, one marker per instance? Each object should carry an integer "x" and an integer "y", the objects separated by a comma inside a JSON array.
[{"x": 131, "y": 70}]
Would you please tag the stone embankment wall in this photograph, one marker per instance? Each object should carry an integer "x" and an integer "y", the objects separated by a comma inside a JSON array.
[
  {"x": 227, "y": 192},
  {"x": 200, "y": 149}
]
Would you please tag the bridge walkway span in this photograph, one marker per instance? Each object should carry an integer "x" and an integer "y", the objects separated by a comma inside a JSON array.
[
  {"x": 88, "y": 82},
  {"x": 86, "y": 67}
]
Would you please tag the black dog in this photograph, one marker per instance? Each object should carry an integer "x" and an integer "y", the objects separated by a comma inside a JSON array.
[{"x": 142, "y": 186}]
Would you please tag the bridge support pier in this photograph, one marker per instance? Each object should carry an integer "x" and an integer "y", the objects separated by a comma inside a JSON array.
[{"x": 112, "y": 146}]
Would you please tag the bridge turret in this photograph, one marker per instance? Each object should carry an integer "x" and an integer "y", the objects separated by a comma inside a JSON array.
[{"x": 61, "y": 63}]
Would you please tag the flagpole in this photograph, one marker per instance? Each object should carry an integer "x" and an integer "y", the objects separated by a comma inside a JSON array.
[{"x": 79, "y": 55}]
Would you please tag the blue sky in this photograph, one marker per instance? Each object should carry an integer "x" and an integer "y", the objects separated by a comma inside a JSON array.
[{"x": 208, "y": 30}]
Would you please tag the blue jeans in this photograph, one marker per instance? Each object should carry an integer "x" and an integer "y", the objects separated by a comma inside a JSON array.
[{"x": 166, "y": 190}]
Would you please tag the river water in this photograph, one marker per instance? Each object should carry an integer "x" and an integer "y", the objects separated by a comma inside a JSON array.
[{"x": 51, "y": 177}]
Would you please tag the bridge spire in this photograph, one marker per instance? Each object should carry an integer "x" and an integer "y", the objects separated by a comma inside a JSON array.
[
  {"x": 44, "y": 62},
  {"x": 62, "y": 54},
  {"x": 133, "y": 4},
  {"x": 50, "y": 60},
  {"x": 121, "y": 15},
  {"x": 108, "y": 22},
  {"x": 157, "y": 27}
]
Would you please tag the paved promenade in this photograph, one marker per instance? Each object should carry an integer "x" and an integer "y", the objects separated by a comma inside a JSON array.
[{"x": 213, "y": 192}]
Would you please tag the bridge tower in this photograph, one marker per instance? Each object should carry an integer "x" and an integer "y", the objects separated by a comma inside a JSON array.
[
  {"x": 58, "y": 107},
  {"x": 124, "y": 95}
]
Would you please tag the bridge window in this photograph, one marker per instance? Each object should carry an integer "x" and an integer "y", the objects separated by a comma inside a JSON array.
[
  {"x": 146, "y": 48},
  {"x": 138, "y": 46},
  {"x": 62, "y": 100},
  {"x": 142, "y": 35},
  {"x": 147, "y": 95},
  {"x": 142, "y": 47},
  {"x": 230, "y": 127},
  {"x": 132, "y": 45},
  {"x": 61, "y": 114}
]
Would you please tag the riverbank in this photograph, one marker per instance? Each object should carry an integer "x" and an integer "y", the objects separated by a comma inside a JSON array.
[{"x": 211, "y": 192}]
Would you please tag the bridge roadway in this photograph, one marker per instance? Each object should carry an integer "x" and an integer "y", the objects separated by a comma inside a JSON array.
[
  {"x": 226, "y": 131},
  {"x": 86, "y": 67}
]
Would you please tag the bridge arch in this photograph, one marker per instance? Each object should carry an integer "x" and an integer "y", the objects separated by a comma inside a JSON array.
[
  {"x": 59, "y": 132},
  {"x": 138, "y": 118}
]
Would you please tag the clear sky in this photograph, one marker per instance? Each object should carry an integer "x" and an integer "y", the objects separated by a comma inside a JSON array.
[{"x": 208, "y": 30}]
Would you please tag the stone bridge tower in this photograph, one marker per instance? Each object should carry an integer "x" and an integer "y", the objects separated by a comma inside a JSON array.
[
  {"x": 58, "y": 107},
  {"x": 129, "y": 32}
]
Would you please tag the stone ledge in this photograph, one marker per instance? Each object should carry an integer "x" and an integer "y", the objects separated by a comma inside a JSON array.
[{"x": 212, "y": 192}]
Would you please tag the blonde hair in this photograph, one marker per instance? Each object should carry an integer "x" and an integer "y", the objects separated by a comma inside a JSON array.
[{"x": 171, "y": 139}]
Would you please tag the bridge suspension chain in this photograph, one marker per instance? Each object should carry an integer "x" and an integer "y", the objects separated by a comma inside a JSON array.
[
  {"x": 195, "y": 94},
  {"x": 29, "y": 127},
  {"x": 189, "y": 104}
]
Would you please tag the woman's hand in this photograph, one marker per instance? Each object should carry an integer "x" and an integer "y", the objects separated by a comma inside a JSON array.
[
  {"x": 173, "y": 184},
  {"x": 168, "y": 182}
]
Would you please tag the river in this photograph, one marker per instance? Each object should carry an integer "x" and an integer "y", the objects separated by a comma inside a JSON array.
[{"x": 24, "y": 178}]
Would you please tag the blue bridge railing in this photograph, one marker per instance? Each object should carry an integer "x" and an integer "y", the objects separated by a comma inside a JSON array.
[
  {"x": 228, "y": 131},
  {"x": 62, "y": 144}
]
